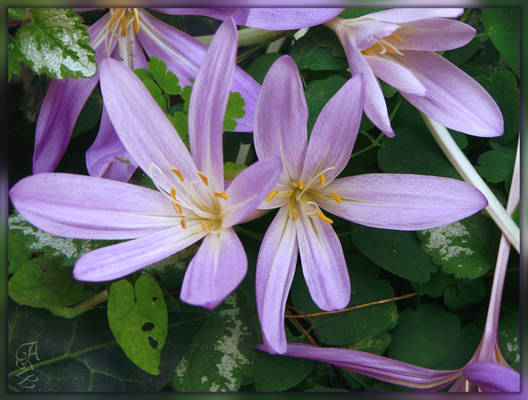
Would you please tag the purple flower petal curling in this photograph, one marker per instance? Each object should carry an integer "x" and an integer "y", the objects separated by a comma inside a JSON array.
[{"x": 492, "y": 377}]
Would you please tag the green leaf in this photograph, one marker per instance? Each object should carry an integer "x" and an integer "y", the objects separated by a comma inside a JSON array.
[
  {"x": 25, "y": 240},
  {"x": 56, "y": 43},
  {"x": 516, "y": 215},
  {"x": 433, "y": 338},
  {"x": 463, "y": 292},
  {"x": 465, "y": 248},
  {"x": 180, "y": 122},
  {"x": 376, "y": 344},
  {"x": 351, "y": 326},
  {"x": 463, "y": 54},
  {"x": 358, "y": 12},
  {"x": 231, "y": 169},
  {"x": 148, "y": 80},
  {"x": 43, "y": 282},
  {"x": 260, "y": 66},
  {"x": 502, "y": 86},
  {"x": 504, "y": 28},
  {"x": 17, "y": 13},
  {"x": 398, "y": 252},
  {"x": 318, "y": 93},
  {"x": 435, "y": 287},
  {"x": 325, "y": 37},
  {"x": 509, "y": 337},
  {"x": 234, "y": 111},
  {"x": 412, "y": 150},
  {"x": 166, "y": 80},
  {"x": 220, "y": 357},
  {"x": 14, "y": 57},
  {"x": 308, "y": 55},
  {"x": 274, "y": 373},
  {"x": 496, "y": 165},
  {"x": 90, "y": 115},
  {"x": 138, "y": 319},
  {"x": 80, "y": 354}
]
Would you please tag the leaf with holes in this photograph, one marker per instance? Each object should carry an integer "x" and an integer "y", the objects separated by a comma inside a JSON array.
[
  {"x": 56, "y": 43},
  {"x": 465, "y": 248},
  {"x": 81, "y": 355},
  {"x": 138, "y": 319},
  {"x": 44, "y": 282},
  {"x": 221, "y": 357}
]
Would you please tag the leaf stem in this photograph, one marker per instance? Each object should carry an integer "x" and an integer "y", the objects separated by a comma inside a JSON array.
[
  {"x": 459, "y": 160},
  {"x": 88, "y": 304}
]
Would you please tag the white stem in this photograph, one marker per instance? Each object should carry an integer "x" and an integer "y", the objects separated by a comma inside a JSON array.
[
  {"x": 243, "y": 152},
  {"x": 458, "y": 159},
  {"x": 246, "y": 37}
]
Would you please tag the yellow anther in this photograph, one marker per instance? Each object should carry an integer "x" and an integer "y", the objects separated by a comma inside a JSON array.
[
  {"x": 322, "y": 178},
  {"x": 295, "y": 214},
  {"x": 377, "y": 46},
  {"x": 320, "y": 214},
  {"x": 123, "y": 25},
  {"x": 396, "y": 37},
  {"x": 300, "y": 185},
  {"x": 116, "y": 16},
  {"x": 183, "y": 223},
  {"x": 336, "y": 197},
  {"x": 178, "y": 173},
  {"x": 204, "y": 178},
  {"x": 271, "y": 195},
  {"x": 173, "y": 193},
  {"x": 205, "y": 225},
  {"x": 177, "y": 208},
  {"x": 369, "y": 52},
  {"x": 223, "y": 195},
  {"x": 136, "y": 20}
]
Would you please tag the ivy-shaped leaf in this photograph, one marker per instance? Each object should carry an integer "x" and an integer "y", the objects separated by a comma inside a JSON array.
[
  {"x": 496, "y": 165},
  {"x": 167, "y": 81},
  {"x": 138, "y": 319},
  {"x": 234, "y": 110},
  {"x": 308, "y": 55},
  {"x": 221, "y": 356},
  {"x": 465, "y": 248},
  {"x": 56, "y": 43}
]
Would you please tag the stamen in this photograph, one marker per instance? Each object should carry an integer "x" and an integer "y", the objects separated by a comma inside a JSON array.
[
  {"x": 204, "y": 178},
  {"x": 123, "y": 25},
  {"x": 205, "y": 225},
  {"x": 271, "y": 195},
  {"x": 136, "y": 20},
  {"x": 223, "y": 195},
  {"x": 396, "y": 37},
  {"x": 116, "y": 16},
  {"x": 336, "y": 197},
  {"x": 300, "y": 185},
  {"x": 178, "y": 173},
  {"x": 177, "y": 208},
  {"x": 183, "y": 224},
  {"x": 369, "y": 52},
  {"x": 320, "y": 214},
  {"x": 322, "y": 178},
  {"x": 295, "y": 214},
  {"x": 173, "y": 193}
]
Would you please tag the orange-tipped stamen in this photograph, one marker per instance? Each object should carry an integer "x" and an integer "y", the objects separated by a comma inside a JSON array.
[
  {"x": 336, "y": 197},
  {"x": 177, "y": 208},
  {"x": 183, "y": 223},
  {"x": 320, "y": 214},
  {"x": 369, "y": 52},
  {"x": 116, "y": 16},
  {"x": 173, "y": 193},
  {"x": 295, "y": 214},
  {"x": 205, "y": 225},
  {"x": 300, "y": 185},
  {"x": 223, "y": 195},
  {"x": 378, "y": 46},
  {"x": 322, "y": 178},
  {"x": 271, "y": 195},
  {"x": 204, "y": 178},
  {"x": 136, "y": 20},
  {"x": 396, "y": 37},
  {"x": 123, "y": 25},
  {"x": 178, "y": 173}
]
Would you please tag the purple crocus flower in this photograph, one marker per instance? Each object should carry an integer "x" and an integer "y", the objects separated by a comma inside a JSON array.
[
  {"x": 308, "y": 184},
  {"x": 398, "y": 46},
  {"x": 192, "y": 202},
  {"x": 487, "y": 370}
]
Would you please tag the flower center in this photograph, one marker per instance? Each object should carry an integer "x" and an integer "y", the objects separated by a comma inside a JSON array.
[
  {"x": 301, "y": 196},
  {"x": 187, "y": 198},
  {"x": 120, "y": 20},
  {"x": 388, "y": 44}
]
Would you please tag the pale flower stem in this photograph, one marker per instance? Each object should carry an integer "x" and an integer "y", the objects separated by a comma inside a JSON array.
[
  {"x": 246, "y": 37},
  {"x": 470, "y": 175},
  {"x": 243, "y": 152},
  {"x": 492, "y": 322}
]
